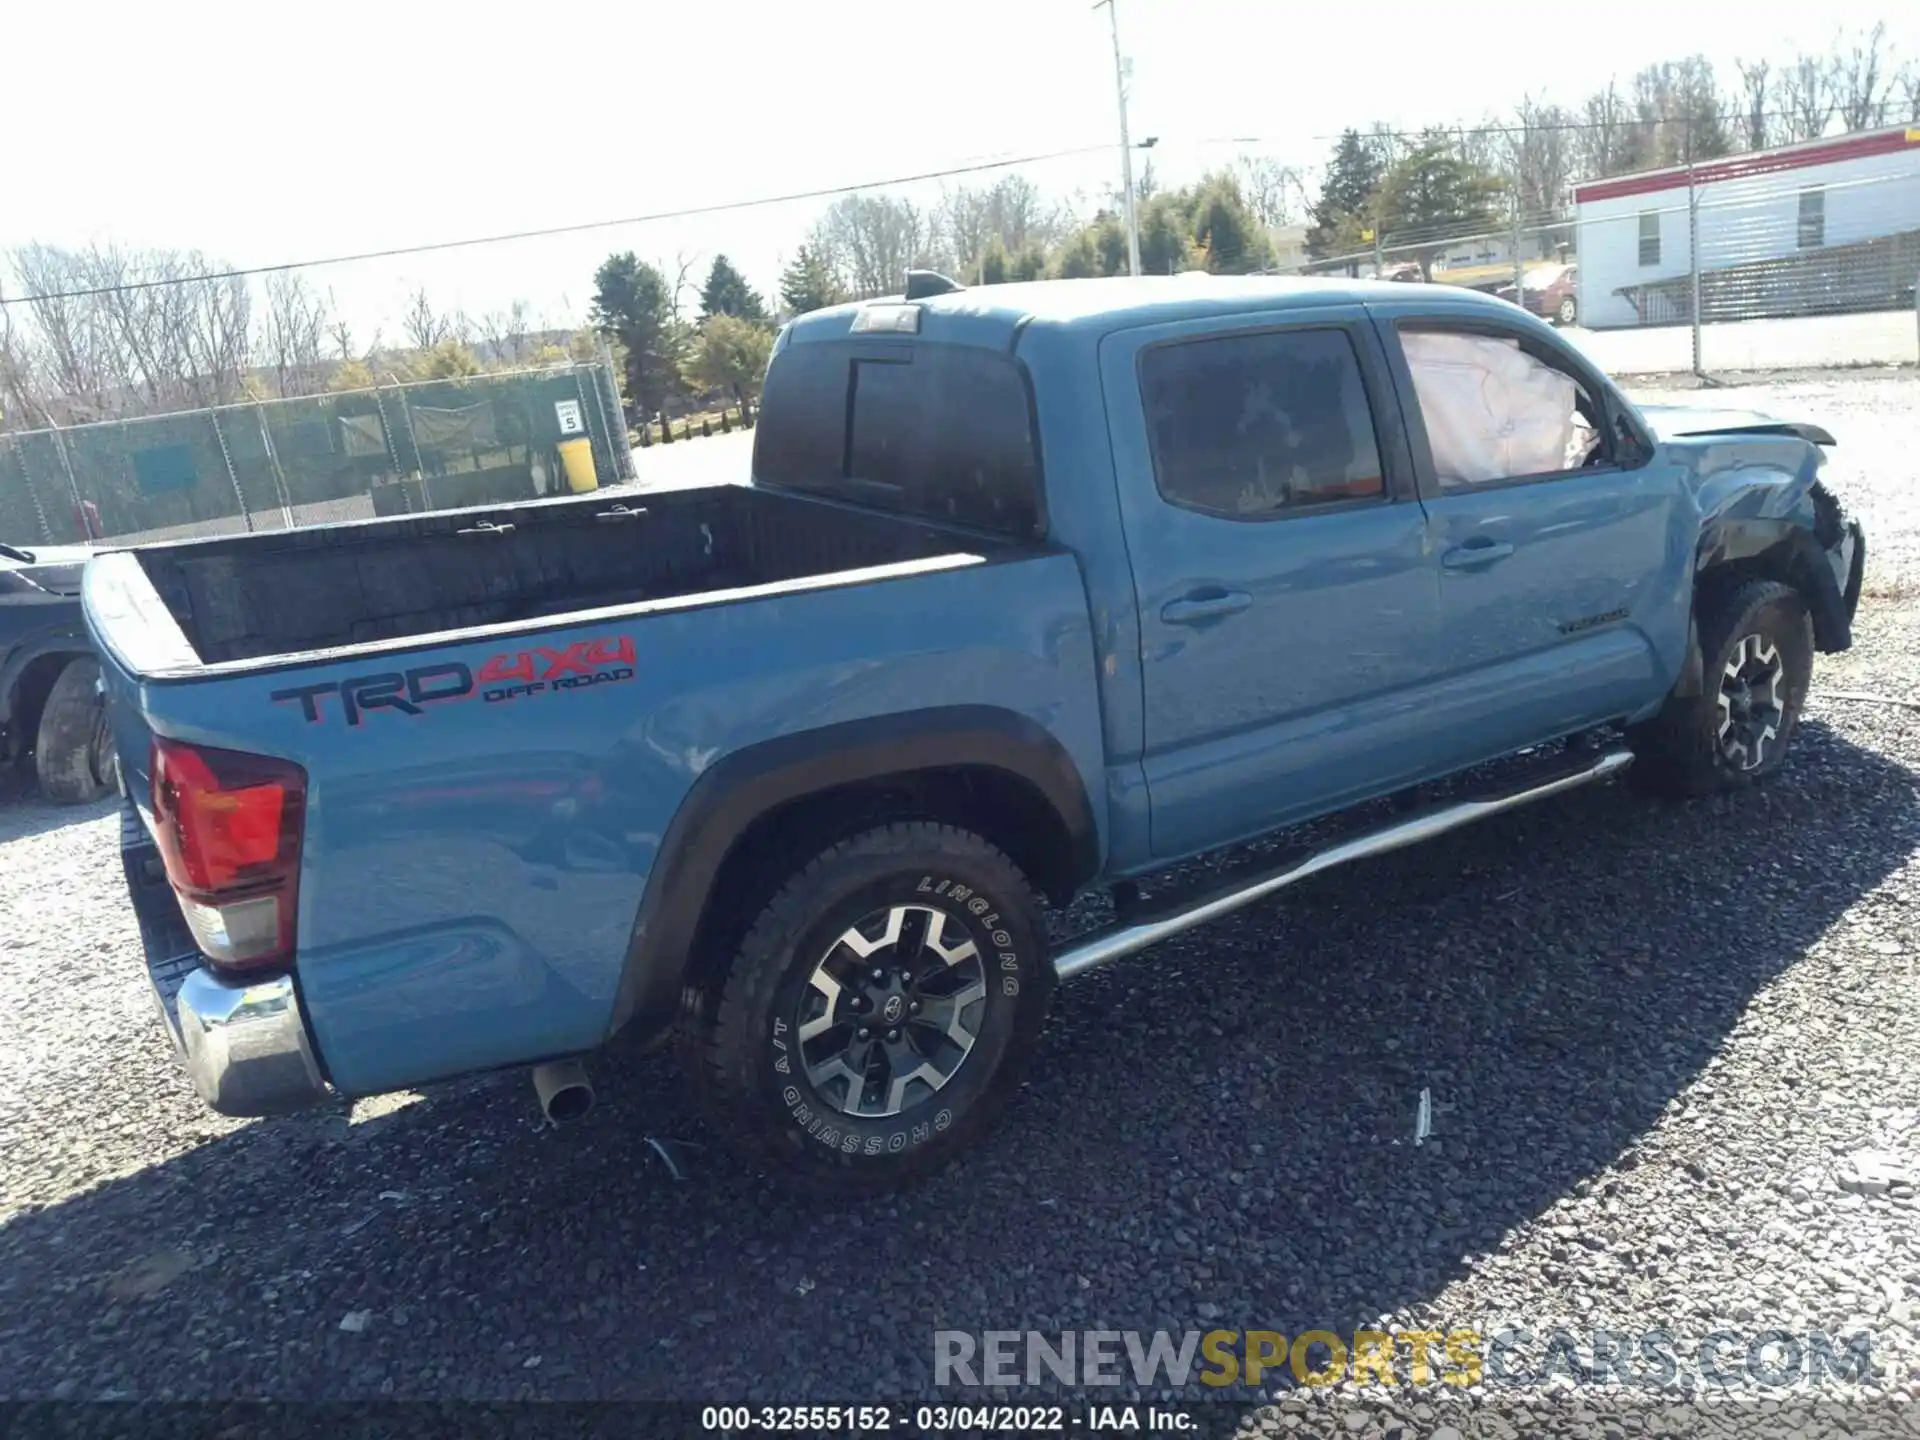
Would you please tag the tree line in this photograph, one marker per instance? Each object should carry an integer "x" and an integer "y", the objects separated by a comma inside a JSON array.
[
  {"x": 1387, "y": 188},
  {"x": 109, "y": 333},
  {"x": 148, "y": 331}
]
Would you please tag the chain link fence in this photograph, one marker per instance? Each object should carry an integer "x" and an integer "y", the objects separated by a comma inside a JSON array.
[
  {"x": 314, "y": 460},
  {"x": 1717, "y": 267}
]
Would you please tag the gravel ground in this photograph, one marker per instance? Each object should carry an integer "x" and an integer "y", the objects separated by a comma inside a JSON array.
[{"x": 1655, "y": 1037}]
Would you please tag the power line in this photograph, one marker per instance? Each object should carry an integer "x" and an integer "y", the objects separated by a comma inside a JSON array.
[{"x": 721, "y": 207}]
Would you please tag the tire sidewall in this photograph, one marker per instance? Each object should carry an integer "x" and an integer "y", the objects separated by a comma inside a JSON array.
[
  {"x": 1783, "y": 621},
  {"x": 68, "y": 757},
  {"x": 989, "y": 902}
]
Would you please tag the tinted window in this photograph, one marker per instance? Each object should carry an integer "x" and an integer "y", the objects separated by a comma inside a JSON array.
[
  {"x": 1257, "y": 425},
  {"x": 942, "y": 431}
]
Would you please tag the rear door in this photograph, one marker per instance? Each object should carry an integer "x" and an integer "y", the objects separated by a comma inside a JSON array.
[
  {"x": 1279, "y": 555},
  {"x": 1562, "y": 538}
]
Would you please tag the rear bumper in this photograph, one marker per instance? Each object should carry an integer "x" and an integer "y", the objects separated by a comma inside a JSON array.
[{"x": 244, "y": 1042}]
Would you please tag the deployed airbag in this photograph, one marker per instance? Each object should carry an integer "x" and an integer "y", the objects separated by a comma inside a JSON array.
[{"x": 1493, "y": 411}]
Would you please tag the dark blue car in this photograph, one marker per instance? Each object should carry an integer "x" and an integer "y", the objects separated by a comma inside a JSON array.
[{"x": 50, "y": 704}]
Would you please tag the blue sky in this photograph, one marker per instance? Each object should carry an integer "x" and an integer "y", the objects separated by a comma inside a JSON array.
[{"x": 260, "y": 133}]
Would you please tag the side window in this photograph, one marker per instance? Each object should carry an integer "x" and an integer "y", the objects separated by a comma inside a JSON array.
[
  {"x": 1813, "y": 218},
  {"x": 1494, "y": 412},
  {"x": 1259, "y": 425},
  {"x": 1649, "y": 237}
]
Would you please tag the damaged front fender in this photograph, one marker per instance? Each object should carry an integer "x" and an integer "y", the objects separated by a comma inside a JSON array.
[{"x": 1765, "y": 512}]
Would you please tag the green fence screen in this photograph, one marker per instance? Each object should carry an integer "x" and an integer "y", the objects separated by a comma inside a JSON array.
[{"x": 314, "y": 460}]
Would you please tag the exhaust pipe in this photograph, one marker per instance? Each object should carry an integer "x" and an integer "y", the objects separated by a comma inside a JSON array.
[{"x": 563, "y": 1089}]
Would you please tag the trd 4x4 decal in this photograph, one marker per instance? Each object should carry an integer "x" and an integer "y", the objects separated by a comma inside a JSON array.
[{"x": 510, "y": 675}]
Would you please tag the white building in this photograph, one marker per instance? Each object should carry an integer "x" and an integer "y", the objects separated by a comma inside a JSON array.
[{"x": 1826, "y": 225}]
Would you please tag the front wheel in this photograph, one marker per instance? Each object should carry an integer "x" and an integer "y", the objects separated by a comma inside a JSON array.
[
  {"x": 1568, "y": 310},
  {"x": 881, "y": 1009},
  {"x": 1756, "y": 647}
]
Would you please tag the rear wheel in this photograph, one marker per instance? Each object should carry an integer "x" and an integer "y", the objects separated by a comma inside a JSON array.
[
  {"x": 1567, "y": 311},
  {"x": 1756, "y": 647},
  {"x": 73, "y": 749},
  {"x": 880, "y": 1010}
]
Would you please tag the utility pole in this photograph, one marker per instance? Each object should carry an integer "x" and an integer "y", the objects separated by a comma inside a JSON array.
[{"x": 1126, "y": 145}]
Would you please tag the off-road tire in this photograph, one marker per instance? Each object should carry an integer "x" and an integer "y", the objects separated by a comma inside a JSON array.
[
  {"x": 1681, "y": 752},
  {"x": 72, "y": 749},
  {"x": 753, "y": 1068}
]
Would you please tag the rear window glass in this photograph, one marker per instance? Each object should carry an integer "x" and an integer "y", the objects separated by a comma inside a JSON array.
[{"x": 939, "y": 431}]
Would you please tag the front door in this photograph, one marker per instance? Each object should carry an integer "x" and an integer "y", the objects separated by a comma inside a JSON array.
[
  {"x": 1280, "y": 558},
  {"x": 1562, "y": 558}
]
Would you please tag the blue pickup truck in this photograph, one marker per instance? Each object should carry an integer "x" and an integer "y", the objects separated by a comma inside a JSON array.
[{"x": 1035, "y": 589}]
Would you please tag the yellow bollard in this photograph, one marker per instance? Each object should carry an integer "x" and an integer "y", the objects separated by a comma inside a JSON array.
[{"x": 577, "y": 456}]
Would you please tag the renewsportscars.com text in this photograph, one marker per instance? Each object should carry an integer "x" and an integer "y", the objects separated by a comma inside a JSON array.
[{"x": 1512, "y": 1355}]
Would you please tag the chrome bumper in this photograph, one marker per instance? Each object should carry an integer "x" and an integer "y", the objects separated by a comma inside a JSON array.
[
  {"x": 244, "y": 1040},
  {"x": 246, "y": 1046}
]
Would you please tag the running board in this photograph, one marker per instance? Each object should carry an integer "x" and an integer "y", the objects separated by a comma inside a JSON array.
[{"x": 1130, "y": 935}]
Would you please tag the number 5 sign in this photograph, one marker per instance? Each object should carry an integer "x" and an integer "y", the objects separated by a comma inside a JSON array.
[{"x": 567, "y": 412}]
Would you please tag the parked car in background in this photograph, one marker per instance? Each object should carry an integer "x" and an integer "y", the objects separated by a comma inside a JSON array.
[
  {"x": 50, "y": 703},
  {"x": 1551, "y": 293}
]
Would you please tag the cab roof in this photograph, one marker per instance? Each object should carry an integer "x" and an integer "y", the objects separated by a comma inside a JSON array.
[{"x": 990, "y": 314}]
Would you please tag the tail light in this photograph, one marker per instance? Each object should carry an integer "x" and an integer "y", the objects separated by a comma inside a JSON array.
[{"x": 228, "y": 826}]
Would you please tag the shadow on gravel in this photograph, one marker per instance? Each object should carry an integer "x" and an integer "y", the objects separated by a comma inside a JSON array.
[
  {"x": 24, "y": 812},
  {"x": 1223, "y": 1123}
]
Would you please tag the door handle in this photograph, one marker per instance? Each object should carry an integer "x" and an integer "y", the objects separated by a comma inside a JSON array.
[
  {"x": 1202, "y": 605},
  {"x": 1476, "y": 554}
]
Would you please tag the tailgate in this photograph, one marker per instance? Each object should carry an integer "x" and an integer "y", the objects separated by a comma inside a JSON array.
[{"x": 124, "y": 630}]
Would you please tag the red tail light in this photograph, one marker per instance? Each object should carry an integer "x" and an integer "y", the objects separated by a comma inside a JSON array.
[{"x": 228, "y": 827}]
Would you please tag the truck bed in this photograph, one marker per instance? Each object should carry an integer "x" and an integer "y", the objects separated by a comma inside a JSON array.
[{"x": 293, "y": 592}]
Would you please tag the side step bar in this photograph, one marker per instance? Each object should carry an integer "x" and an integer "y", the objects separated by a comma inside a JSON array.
[{"x": 1126, "y": 937}]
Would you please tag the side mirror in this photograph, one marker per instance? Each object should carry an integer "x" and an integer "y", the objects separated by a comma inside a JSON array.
[{"x": 1629, "y": 445}]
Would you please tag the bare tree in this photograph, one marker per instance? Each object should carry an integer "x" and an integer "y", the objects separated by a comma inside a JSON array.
[
  {"x": 1678, "y": 118},
  {"x": 126, "y": 332},
  {"x": 1755, "y": 104},
  {"x": 1606, "y": 139},
  {"x": 1806, "y": 98},
  {"x": 1862, "y": 88},
  {"x": 506, "y": 334},
  {"x": 69, "y": 346},
  {"x": 1540, "y": 157},
  {"x": 1483, "y": 146},
  {"x": 1391, "y": 145},
  {"x": 682, "y": 271},
  {"x": 871, "y": 241},
  {"x": 1274, "y": 191},
  {"x": 21, "y": 397},
  {"x": 423, "y": 326},
  {"x": 1012, "y": 210},
  {"x": 1907, "y": 86},
  {"x": 341, "y": 334},
  {"x": 294, "y": 333},
  {"x": 964, "y": 224}
]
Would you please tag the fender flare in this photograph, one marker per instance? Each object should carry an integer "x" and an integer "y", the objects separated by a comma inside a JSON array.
[
  {"x": 737, "y": 790},
  {"x": 72, "y": 643},
  {"x": 1788, "y": 548}
]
